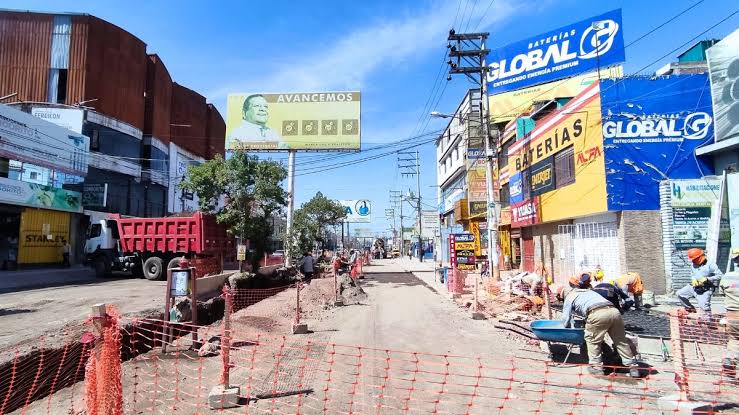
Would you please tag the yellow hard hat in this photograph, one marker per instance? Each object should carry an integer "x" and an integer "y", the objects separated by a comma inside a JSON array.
[
  {"x": 734, "y": 253},
  {"x": 599, "y": 275}
]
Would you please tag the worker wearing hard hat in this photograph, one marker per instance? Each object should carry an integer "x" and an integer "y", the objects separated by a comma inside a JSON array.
[
  {"x": 601, "y": 318},
  {"x": 730, "y": 287},
  {"x": 705, "y": 277},
  {"x": 631, "y": 283}
]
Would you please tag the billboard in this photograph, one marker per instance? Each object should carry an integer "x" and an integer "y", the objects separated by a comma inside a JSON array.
[
  {"x": 723, "y": 68},
  {"x": 39, "y": 196},
  {"x": 525, "y": 213},
  {"x": 29, "y": 139},
  {"x": 429, "y": 223},
  {"x": 69, "y": 118},
  {"x": 565, "y": 149},
  {"x": 357, "y": 211},
  {"x": 651, "y": 128},
  {"x": 570, "y": 50},
  {"x": 510, "y": 105},
  {"x": 691, "y": 202},
  {"x": 293, "y": 121}
]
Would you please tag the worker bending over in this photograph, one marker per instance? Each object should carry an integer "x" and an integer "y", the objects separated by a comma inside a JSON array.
[
  {"x": 705, "y": 277},
  {"x": 629, "y": 283},
  {"x": 601, "y": 318},
  {"x": 615, "y": 295}
]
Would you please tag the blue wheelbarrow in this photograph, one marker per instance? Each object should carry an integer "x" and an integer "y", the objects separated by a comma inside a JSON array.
[{"x": 554, "y": 331}]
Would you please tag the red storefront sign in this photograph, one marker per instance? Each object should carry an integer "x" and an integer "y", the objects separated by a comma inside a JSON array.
[{"x": 525, "y": 213}]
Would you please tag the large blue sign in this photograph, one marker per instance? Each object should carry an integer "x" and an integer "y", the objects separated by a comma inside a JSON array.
[
  {"x": 651, "y": 128},
  {"x": 580, "y": 47},
  {"x": 515, "y": 186}
]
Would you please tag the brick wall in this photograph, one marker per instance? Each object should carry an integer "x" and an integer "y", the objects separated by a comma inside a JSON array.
[{"x": 640, "y": 239}]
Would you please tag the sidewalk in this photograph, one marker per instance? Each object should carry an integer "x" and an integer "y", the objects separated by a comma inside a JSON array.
[{"x": 26, "y": 279}]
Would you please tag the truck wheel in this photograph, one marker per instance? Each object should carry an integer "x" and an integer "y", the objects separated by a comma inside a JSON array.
[
  {"x": 174, "y": 262},
  {"x": 101, "y": 267},
  {"x": 153, "y": 269}
]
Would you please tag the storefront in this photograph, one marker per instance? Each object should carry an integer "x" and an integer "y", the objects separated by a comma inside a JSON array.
[{"x": 36, "y": 222}]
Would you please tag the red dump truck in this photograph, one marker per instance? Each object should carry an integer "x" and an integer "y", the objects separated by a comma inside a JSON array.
[{"x": 150, "y": 246}]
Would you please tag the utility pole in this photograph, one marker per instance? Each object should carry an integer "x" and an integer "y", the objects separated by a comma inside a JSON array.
[
  {"x": 290, "y": 200},
  {"x": 410, "y": 170},
  {"x": 396, "y": 201},
  {"x": 470, "y": 53}
]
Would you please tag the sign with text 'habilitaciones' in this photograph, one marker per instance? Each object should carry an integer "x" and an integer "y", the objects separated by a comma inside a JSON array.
[
  {"x": 570, "y": 50},
  {"x": 357, "y": 211},
  {"x": 293, "y": 121}
]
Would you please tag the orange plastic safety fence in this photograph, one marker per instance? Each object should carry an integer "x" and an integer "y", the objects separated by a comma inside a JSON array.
[
  {"x": 705, "y": 353},
  {"x": 295, "y": 375},
  {"x": 33, "y": 376},
  {"x": 245, "y": 297},
  {"x": 103, "y": 372}
]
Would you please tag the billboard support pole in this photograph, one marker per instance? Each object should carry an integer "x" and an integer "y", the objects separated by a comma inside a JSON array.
[{"x": 290, "y": 200}]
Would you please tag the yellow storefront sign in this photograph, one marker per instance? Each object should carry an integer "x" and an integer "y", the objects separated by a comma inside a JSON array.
[
  {"x": 464, "y": 245},
  {"x": 43, "y": 235},
  {"x": 475, "y": 229},
  {"x": 576, "y": 126}
]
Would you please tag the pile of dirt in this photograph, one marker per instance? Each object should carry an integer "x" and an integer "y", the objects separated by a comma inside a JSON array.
[
  {"x": 350, "y": 291},
  {"x": 276, "y": 277}
]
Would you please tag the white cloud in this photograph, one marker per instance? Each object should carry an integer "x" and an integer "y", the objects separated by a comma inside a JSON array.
[{"x": 348, "y": 62}]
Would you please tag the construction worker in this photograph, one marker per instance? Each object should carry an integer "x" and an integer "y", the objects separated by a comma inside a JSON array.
[
  {"x": 705, "y": 277},
  {"x": 615, "y": 295},
  {"x": 601, "y": 318},
  {"x": 630, "y": 283},
  {"x": 730, "y": 287},
  {"x": 598, "y": 274}
]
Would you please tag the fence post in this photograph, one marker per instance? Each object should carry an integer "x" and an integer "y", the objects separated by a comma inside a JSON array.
[
  {"x": 103, "y": 370},
  {"x": 298, "y": 327},
  {"x": 476, "y": 314},
  {"x": 225, "y": 395}
]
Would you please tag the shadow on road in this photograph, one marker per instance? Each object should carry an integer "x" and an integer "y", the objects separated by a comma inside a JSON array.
[
  {"x": 65, "y": 283},
  {"x": 11, "y": 311},
  {"x": 398, "y": 278}
]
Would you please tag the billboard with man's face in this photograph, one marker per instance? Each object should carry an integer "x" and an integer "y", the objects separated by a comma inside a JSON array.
[
  {"x": 293, "y": 121},
  {"x": 723, "y": 67}
]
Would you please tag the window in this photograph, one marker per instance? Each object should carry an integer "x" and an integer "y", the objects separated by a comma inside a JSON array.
[
  {"x": 34, "y": 175},
  {"x": 61, "y": 93},
  {"x": 94, "y": 230},
  {"x": 59, "y": 59},
  {"x": 564, "y": 168},
  {"x": 95, "y": 140},
  {"x": 456, "y": 153}
]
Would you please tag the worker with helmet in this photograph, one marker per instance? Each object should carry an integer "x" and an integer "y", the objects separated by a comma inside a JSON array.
[
  {"x": 601, "y": 318},
  {"x": 705, "y": 277},
  {"x": 615, "y": 295},
  {"x": 730, "y": 287},
  {"x": 630, "y": 283}
]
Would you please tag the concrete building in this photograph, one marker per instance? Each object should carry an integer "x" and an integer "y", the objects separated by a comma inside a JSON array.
[{"x": 94, "y": 78}]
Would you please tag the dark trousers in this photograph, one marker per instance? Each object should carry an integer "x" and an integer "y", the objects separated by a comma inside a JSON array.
[{"x": 65, "y": 260}]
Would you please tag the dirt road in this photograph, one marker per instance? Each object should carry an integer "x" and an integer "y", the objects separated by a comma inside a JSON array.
[{"x": 27, "y": 315}]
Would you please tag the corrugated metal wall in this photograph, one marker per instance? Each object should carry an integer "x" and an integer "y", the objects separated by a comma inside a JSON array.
[
  {"x": 216, "y": 132},
  {"x": 43, "y": 234},
  {"x": 77, "y": 61},
  {"x": 115, "y": 72},
  {"x": 189, "y": 108},
  {"x": 158, "y": 99},
  {"x": 25, "y": 44}
]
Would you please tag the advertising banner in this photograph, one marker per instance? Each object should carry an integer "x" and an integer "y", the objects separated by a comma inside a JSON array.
[
  {"x": 475, "y": 229},
  {"x": 570, "y": 50},
  {"x": 32, "y": 140},
  {"x": 525, "y": 213},
  {"x": 692, "y": 202},
  {"x": 732, "y": 182},
  {"x": 357, "y": 211},
  {"x": 69, "y": 118},
  {"x": 476, "y": 176},
  {"x": 651, "y": 128},
  {"x": 429, "y": 223},
  {"x": 515, "y": 185},
  {"x": 542, "y": 176},
  {"x": 510, "y": 105},
  {"x": 94, "y": 195},
  {"x": 293, "y": 121},
  {"x": 40, "y": 196},
  {"x": 572, "y": 136},
  {"x": 723, "y": 67},
  {"x": 478, "y": 210},
  {"x": 505, "y": 216},
  {"x": 464, "y": 251}
]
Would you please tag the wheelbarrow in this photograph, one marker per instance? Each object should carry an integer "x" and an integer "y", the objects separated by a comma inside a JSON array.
[{"x": 554, "y": 331}]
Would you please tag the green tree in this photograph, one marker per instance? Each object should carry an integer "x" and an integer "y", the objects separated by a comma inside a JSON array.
[
  {"x": 311, "y": 223},
  {"x": 242, "y": 192}
]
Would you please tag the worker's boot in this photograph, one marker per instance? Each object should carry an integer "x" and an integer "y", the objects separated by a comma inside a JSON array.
[
  {"x": 635, "y": 371},
  {"x": 690, "y": 310},
  {"x": 596, "y": 370},
  {"x": 728, "y": 368}
]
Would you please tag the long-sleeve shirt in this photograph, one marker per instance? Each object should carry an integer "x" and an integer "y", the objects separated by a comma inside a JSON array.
[
  {"x": 611, "y": 293},
  {"x": 708, "y": 270},
  {"x": 307, "y": 263},
  {"x": 579, "y": 301}
]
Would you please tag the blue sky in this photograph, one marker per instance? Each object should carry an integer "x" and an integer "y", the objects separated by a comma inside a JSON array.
[{"x": 390, "y": 50}]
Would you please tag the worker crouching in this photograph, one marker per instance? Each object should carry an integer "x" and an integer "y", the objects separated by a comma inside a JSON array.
[
  {"x": 601, "y": 318},
  {"x": 705, "y": 277}
]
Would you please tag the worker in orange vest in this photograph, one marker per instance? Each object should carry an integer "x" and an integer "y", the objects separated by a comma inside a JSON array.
[{"x": 630, "y": 283}]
